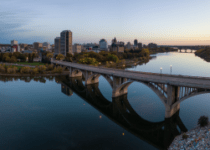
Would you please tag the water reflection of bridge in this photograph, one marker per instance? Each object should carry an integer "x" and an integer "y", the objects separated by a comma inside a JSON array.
[{"x": 158, "y": 134}]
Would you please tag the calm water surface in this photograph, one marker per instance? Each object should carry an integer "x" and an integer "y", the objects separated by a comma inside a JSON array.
[{"x": 49, "y": 115}]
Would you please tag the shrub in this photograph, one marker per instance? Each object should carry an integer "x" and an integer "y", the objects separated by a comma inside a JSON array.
[
  {"x": 58, "y": 70},
  {"x": 42, "y": 68},
  {"x": 25, "y": 70},
  {"x": 203, "y": 121},
  {"x": 35, "y": 71},
  {"x": 49, "y": 67},
  {"x": 185, "y": 136},
  {"x": 12, "y": 69},
  {"x": 2, "y": 69}
]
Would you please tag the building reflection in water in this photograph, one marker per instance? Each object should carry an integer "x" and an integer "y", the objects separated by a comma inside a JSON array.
[{"x": 158, "y": 134}]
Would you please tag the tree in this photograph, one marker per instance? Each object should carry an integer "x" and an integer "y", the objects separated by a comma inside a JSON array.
[
  {"x": 13, "y": 59},
  {"x": 69, "y": 55},
  {"x": 22, "y": 57},
  {"x": 145, "y": 52},
  {"x": 49, "y": 55},
  {"x": 7, "y": 59},
  {"x": 60, "y": 57},
  {"x": 31, "y": 57}
]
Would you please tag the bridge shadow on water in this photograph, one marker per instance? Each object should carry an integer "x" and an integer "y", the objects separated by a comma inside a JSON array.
[{"x": 119, "y": 110}]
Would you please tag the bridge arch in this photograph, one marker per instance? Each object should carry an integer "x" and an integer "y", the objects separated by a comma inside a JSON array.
[
  {"x": 93, "y": 78},
  {"x": 76, "y": 72},
  {"x": 123, "y": 89},
  {"x": 192, "y": 94}
]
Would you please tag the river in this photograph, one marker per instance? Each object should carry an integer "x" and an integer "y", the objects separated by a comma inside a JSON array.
[{"x": 63, "y": 114}]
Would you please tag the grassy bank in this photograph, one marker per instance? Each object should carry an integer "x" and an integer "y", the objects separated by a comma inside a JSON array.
[{"x": 31, "y": 64}]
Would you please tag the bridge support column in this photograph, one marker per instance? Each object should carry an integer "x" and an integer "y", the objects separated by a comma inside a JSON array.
[
  {"x": 173, "y": 96},
  {"x": 74, "y": 73},
  {"x": 118, "y": 87}
]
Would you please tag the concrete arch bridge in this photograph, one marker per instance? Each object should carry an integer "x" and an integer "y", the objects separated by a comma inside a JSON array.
[{"x": 171, "y": 89}]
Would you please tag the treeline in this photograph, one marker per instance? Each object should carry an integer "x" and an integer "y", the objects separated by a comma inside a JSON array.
[
  {"x": 94, "y": 58},
  {"x": 16, "y": 57},
  {"x": 41, "y": 69},
  {"x": 204, "y": 53}
]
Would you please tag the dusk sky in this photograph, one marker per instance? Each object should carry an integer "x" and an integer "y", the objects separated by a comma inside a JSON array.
[{"x": 165, "y": 22}]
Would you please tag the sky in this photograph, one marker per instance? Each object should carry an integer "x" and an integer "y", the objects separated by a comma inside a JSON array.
[{"x": 165, "y": 22}]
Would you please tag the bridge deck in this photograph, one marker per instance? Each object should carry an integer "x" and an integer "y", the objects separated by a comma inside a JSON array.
[{"x": 177, "y": 80}]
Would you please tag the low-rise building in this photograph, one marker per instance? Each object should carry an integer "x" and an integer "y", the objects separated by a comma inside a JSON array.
[
  {"x": 152, "y": 45},
  {"x": 117, "y": 48},
  {"x": 37, "y": 45},
  {"x": 128, "y": 45},
  {"x": 77, "y": 48},
  {"x": 47, "y": 45}
]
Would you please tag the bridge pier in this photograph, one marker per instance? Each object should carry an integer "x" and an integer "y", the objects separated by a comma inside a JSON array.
[
  {"x": 173, "y": 96},
  {"x": 91, "y": 78},
  {"x": 120, "y": 86}
]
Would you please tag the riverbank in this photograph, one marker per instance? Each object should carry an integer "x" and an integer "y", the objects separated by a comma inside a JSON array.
[
  {"x": 26, "y": 75},
  {"x": 204, "y": 54},
  {"x": 197, "y": 138}
]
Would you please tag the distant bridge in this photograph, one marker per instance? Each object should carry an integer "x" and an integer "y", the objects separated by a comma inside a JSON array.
[
  {"x": 159, "y": 134},
  {"x": 193, "y": 47},
  {"x": 171, "y": 89}
]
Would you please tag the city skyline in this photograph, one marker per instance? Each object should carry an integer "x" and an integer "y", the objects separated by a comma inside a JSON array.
[{"x": 163, "y": 22}]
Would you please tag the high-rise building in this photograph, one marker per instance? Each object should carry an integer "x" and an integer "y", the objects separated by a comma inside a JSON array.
[
  {"x": 114, "y": 40},
  {"x": 66, "y": 42},
  {"x": 140, "y": 46},
  {"x": 57, "y": 45},
  {"x": 103, "y": 44},
  {"x": 128, "y": 45},
  {"x": 135, "y": 42}
]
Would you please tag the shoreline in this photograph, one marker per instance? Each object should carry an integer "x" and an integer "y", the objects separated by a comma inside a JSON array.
[
  {"x": 19, "y": 75},
  {"x": 198, "y": 138}
]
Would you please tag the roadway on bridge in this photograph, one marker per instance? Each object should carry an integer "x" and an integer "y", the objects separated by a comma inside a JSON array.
[{"x": 176, "y": 80}]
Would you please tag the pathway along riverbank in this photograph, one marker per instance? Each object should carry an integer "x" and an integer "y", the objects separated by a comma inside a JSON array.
[{"x": 198, "y": 139}]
